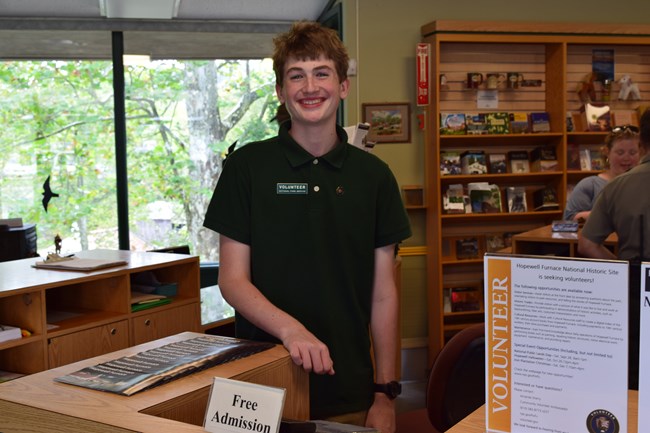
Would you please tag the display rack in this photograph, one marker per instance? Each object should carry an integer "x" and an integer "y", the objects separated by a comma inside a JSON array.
[{"x": 553, "y": 59}]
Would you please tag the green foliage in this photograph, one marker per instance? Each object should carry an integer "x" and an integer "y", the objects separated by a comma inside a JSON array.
[{"x": 57, "y": 120}]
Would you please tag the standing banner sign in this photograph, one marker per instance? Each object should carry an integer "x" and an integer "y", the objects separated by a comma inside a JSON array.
[
  {"x": 644, "y": 347},
  {"x": 556, "y": 345}
]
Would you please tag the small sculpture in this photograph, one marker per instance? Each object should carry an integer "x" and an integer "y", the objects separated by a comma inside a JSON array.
[
  {"x": 585, "y": 89},
  {"x": 628, "y": 89},
  {"x": 57, "y": 244}
]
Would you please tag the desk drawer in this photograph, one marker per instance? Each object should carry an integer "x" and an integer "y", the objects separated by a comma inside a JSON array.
[{"x": 88, "y": 343}]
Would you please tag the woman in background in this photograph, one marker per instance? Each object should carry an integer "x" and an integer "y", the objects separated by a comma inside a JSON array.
[{"x": 622, "y": 152}]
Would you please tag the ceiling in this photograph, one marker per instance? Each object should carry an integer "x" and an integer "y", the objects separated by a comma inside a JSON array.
[{"x": 182, "y": 29}]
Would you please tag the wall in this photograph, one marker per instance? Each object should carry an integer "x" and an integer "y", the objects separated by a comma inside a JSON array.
[{"x": 381, "y": 35}]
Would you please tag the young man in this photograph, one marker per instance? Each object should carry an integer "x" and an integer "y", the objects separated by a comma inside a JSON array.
[
  {"x": 308, "y": 226},
  {"x": 623, "y": 206}
]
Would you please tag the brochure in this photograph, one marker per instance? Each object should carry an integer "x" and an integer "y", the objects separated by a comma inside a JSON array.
[{"x": 154, "y": 367}]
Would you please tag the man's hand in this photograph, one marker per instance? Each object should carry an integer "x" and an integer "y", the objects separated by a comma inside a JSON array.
[
  {"x": 308, "y": 351},
  {"x": 381, "y": 415}
]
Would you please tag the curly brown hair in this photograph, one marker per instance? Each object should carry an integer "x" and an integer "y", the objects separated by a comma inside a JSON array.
[{"x": 308, "y": 40}]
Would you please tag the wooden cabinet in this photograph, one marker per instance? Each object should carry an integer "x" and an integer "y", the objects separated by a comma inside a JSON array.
[
  {"x": 77, "y": 315},
  {"x": 552, "y": 60},
  {"x": 162, "y": 322}
]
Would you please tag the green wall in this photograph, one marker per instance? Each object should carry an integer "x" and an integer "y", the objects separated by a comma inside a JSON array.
[{"x": 382, "y": 35}]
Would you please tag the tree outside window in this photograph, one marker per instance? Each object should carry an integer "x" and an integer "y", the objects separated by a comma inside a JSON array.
[{"x": 57, "y": 121}]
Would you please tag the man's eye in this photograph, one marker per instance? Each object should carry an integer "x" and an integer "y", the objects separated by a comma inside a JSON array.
[
  {"x": 295, "y": 77},
  {"x": 322, "y": 74}
]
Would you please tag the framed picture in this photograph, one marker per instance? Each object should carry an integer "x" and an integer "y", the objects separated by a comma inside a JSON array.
[{"x": 389, "y": 122}]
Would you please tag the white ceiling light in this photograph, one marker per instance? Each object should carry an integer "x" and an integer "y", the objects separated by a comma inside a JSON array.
[{"x": 139, "y": 9}]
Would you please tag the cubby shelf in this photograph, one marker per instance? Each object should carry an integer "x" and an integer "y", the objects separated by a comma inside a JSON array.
[{"x": 77, "y": 315}]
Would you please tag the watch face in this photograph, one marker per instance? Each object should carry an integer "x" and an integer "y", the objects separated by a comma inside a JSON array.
[{"x": 394, "y": 389}]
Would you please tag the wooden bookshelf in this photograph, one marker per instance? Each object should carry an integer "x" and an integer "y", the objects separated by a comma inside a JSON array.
[{"x": 554, "y": 58}]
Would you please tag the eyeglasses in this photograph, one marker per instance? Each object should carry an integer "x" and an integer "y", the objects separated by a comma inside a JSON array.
[{"x": 624, "y": 128}]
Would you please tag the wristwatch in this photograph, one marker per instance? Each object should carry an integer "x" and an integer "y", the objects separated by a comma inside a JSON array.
[{"x": 392, "y": 389}]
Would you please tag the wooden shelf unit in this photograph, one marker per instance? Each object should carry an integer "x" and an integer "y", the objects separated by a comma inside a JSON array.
[
  {"x": 558, "y": 56},
  {"x": 90, "y": 312}
]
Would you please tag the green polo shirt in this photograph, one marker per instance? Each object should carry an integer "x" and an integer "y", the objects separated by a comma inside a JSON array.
[{"x": 312, "y": 225}]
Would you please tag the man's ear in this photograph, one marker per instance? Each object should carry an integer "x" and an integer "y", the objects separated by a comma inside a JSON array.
[
  {"x": 278, "y": 93},
  {"x": 344, "y": 88}
]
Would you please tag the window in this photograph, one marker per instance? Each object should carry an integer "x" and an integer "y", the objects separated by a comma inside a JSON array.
[{"x": 181, "y": 116}]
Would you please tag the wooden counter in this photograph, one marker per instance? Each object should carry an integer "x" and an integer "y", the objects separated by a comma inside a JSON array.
[
  {"x": 475, "y": 422},
  {"x": 36, "y": 403},
  {"x": 543, "y": 241}
]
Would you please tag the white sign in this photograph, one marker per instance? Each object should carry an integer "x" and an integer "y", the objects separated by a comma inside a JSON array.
[
  {"x": 556, "y": 344},
  {"x": 486, "y": 99},
  {"x": 242, "y": 407},
  {"x": 644, "y": 347}
]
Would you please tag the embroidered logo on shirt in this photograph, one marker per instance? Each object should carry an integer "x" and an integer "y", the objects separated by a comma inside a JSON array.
[{"x": 291, "y": 188}]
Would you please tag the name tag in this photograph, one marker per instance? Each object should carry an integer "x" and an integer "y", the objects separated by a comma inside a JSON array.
[{"x": 291, "y": 188}]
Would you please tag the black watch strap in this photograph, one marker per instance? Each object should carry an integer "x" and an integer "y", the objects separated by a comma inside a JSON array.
[{"x": 391, "y": 389}]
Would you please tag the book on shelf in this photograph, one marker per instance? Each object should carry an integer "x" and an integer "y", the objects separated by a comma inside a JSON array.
[
  {"x": 497, "y": 163},
  {"x": 546, "y": 199},
  {"x": 597, "y": 159},
  {"x": 484, "y": 197},
  {"x": 544, "y": 158},
  {"x": 585, "y": 159},
  {"x": 8, "y": 333},
  {"x": 476, "y": 124},
  {"x": 516, "y": 196},
  {"x": 519, "y": 123},
  {"x": 464, "y": 299},
  {"x": 453, "y": 200},
  {"x": 573, "y": 157},
  {"x": 494, "y": 242},
  {"x": 144, "y": 370},
  {"x": 507, "y": 239},
  {"x": 539, "y": 122},
  {"x": 449, "y": 163},
  {"x": 598, "y": 117},
  {"x": 452, "y": 124},
  {"x": 473, "y": 162},
  {"x": 467, "y": 248},
  {"x": 144, "y": 298},
  {"x": 519, "y": 162},
  {"x": 498, "y": 123},
  {"x": 145, "y": 305}
]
